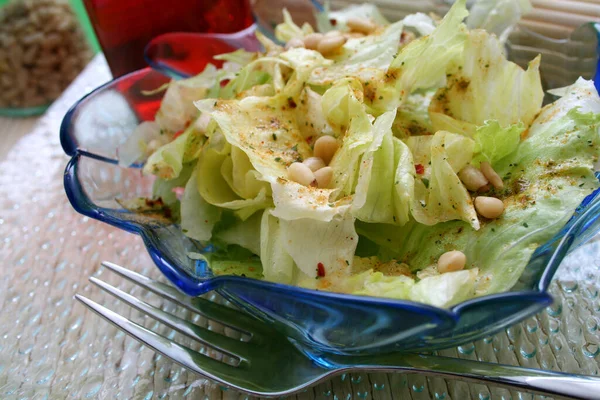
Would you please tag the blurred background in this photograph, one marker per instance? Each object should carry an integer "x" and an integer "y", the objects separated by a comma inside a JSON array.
[{"x": 45, "y": 44}]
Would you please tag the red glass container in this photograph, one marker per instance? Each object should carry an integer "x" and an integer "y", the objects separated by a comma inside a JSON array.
[{"x": 124, "y": 27}]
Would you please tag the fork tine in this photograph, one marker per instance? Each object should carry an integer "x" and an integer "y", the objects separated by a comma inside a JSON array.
[
  {"x": 220, "y": 342},
  {"x": 182, "y": 355},
  {"x": 227, "y": 316}
]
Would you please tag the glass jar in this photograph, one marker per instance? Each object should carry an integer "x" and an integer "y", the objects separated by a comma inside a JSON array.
[{"x": 42, "y": 49}]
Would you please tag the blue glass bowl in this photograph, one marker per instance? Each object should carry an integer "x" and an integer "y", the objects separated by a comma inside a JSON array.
[{"x": 318, "y": 322}]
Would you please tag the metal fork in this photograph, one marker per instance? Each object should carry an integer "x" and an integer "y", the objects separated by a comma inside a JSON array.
[{"x": 269, "y": 365}]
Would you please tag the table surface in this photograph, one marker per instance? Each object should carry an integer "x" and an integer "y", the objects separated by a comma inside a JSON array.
[{"x": 52, "y": 347}]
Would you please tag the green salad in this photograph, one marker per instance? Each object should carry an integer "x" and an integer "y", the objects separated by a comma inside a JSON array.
[{"x": 408, "y": 160}]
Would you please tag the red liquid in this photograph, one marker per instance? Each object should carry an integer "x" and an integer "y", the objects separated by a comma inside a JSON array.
[{"x": 124, "y": 27}]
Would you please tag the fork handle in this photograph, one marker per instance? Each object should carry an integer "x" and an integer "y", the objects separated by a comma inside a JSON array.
[{"x": 547, "y": 383}]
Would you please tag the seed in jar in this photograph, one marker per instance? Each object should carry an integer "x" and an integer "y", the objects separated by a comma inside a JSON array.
[
  {"x": 491, "y": 175},
  {"x": 314, "y": 163},
  {"x": 312, "y": 40},
  {"x": 300, "y": 173},
  {"x": 325, "y": 148},
  {"x": 323, "y": 177},
  {"x": 472, "y": 178},
  {"x": 451, "y": 261},
  {"x": 489, "y": 207},
  {"x": 361, "y": 25},
  {"x": 331, "y": 44}
]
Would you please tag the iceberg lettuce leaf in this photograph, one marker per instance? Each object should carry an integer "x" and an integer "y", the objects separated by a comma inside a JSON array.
[
  {"x": 363, "y": 58},
  {"x": 198, "y": 217},
  {"x": 497, "y": 16},
  {"x": 385, "y": 183},
  {"x": 546, "y": 178},
  {"x": 511, "y": 94},
  {"x": 167, "y": 161},
  {"x": 244, "y": 233},
  {"x": 350, "y": 121},
  {"x": 278, "y": 265},
  {"x": 492, "y": 142},
  {"x": 445, "y": 198},
  {"x": 330, "y": 243},
  {"x": 422, "y": 64},
  {"x": 289, "y": 30}
]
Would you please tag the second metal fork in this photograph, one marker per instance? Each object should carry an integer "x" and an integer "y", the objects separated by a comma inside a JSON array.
[{"x": 269, "y": 365}]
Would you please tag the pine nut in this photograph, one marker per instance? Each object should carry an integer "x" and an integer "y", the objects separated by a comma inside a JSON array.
[
  {"x": 361, "y": 25},
  {"x": 472, "y": 178},
  {"x": 333, "y": 33},
  {"x": 300, "y": 173},
  {"x": 451, "y": 261},
  {"x": 325, "y": 148},
  {"x": 491, "y": 175},
  {"x": 323, "y": 177},
  {"x": 354, "y": 35},
  {"x": 294, "y": 43},
  {"x": 314, "y": 163},
  {"x": 489, "y": 207},
  {"x": 312, "y": 40},
  {"x": 330, "y": 44}
]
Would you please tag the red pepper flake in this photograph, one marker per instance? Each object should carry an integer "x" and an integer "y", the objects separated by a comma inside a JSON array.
[
  {"x": 320, "y": 270},
  {"x": 420, "y": 169},
  {"x": 333, "y": 21},
  {"x": 178, "y": 133},
  {"x": 309, "y": 139}
]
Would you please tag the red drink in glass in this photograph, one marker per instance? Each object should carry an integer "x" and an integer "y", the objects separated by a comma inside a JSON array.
[{"x": 124, "y": 27}]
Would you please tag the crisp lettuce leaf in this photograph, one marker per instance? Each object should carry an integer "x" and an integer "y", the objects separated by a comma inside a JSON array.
[
  {"x": 166, "y": 189},
  {"x": 244, "y": 233},
  {"x": 365, "y": 10},
  {"x": 420, "y": 149},
  {"x": 136, "y": 147},
  {"x": 349, "y": 119},
  {"x": 511, "y": 94},
  {"x": 288, "y": 29},
  {"x": 546, "y": 178},
  {"x": 167, "y": 161},
  {"x": 311, "y": 242},
  {"x": 422, "y": 23},
  {"x": 241, "y": 176},
  {"x": 198, "y": 217},
  {"x": 386, "y": 177},
  {"x": 372, "y": 283},
  {"x": 278, "y": 265},
  {"x": 492, "y": 142},
  {"x": 497, "y": 16},
  {"x": 445, "y": 290},
  {"x": 215, "y": 189},
  {"x": 177, "y": 106},
  {"x": 295, "y": 201},
  {"x": 445, "y": 198},
  {"x": 422, "y": 64},
  {"x": 412, "y": 117},
  {"x": 270, "y": 138},
  {"x": 364, "y": 58},
  {"x": 310, "y": 115},
  {"x": 392, "y": 280}
]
